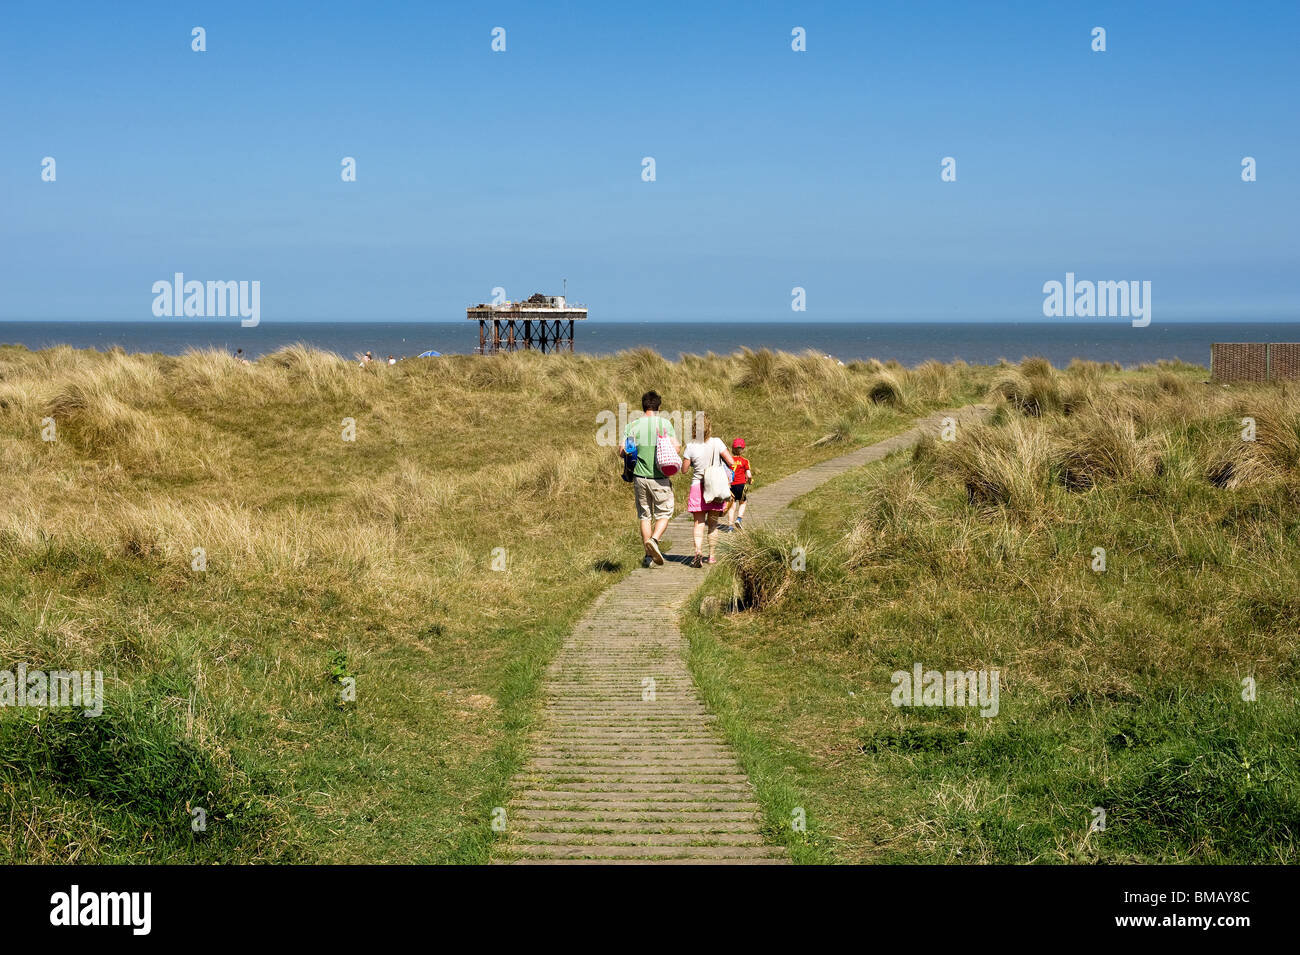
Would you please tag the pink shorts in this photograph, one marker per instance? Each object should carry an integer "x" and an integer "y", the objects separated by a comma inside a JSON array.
[{"x": 695, "y": 501}]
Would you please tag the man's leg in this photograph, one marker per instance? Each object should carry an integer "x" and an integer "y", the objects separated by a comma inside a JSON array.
[
  {"x": 660, "y": 495},
  {"x": 661, "y": 525},
  {"x": 645, "y": 543},
  {"x": 645, "y": 514},
  {"x": 652, "y": 525},
  {"x": 652, "y": 548}
]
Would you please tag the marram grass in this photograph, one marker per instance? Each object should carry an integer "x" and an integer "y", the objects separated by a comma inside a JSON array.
[
  {"x": 1128, "y": 561},
  {"x": 324, "y": 560}
]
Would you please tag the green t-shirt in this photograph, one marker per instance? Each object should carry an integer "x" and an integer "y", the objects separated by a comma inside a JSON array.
[{"x": 645, "y": 432}]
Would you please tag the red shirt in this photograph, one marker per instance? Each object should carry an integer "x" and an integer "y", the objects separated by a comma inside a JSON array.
[{"x": 742, "y": 470}]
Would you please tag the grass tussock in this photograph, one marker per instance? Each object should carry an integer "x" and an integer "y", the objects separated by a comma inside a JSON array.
[
  {"x": 765, "y": 565},
  {"x": 227, "y": 540},
  {"x": 884, "y": 388},
  {"x": 1007, "y": 467},
  {"x": 1034, "y": 392},
  {"x": 1262, "y": 446},
  {"x": 1125, "y": 564},
  {"x": 1096, "y": 447}
]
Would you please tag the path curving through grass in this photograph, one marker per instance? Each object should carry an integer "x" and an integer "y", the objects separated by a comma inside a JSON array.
[{"x": 627, "y": 763}]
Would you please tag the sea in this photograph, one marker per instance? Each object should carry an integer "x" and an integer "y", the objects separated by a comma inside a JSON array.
[{"x": 907, "y": 342}]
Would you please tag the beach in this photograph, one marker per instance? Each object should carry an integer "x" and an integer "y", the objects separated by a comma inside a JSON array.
[{"x": 909, "y": 343}]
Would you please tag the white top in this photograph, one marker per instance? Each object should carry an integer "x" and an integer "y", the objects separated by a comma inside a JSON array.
[{"x": 702, "y": 454}]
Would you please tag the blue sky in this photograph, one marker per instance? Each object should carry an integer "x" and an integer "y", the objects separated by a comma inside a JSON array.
[{"x": 774, "y": 168}]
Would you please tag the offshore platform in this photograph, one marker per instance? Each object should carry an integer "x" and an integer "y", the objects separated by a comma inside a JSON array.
[{"x": 542, "y": 322}]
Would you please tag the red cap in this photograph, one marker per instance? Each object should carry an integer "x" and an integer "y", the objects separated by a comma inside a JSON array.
[{"x": 738, "y": 443}]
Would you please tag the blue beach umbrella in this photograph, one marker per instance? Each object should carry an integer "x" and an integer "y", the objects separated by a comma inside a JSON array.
[{"x": 429, "y": 354}]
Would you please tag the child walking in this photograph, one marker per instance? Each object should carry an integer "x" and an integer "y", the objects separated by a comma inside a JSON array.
[{"x": 743, "y": 477}]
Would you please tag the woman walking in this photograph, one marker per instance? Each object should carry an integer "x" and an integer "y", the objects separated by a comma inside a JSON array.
[{"x": 702, "y": 454}]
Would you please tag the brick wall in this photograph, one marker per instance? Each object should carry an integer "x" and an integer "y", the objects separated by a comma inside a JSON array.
[
  {"x": 1254, "y": 361},
  {"x": 1285, "y": 361}
]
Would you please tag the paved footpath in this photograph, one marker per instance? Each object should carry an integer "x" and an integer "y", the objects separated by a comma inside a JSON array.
[{"x": 628, "y": 765}]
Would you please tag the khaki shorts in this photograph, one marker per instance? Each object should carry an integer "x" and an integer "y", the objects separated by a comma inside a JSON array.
[{"x": 654, "y": 498}]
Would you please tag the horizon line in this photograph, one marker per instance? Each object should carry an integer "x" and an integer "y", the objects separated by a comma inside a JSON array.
[{"x": 1080, "y": 322}]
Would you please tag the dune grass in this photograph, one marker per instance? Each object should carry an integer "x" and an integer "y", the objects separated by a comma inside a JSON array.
[
  {"x": 201, "y": 531},
  {"x": 1122, "y": 689}
]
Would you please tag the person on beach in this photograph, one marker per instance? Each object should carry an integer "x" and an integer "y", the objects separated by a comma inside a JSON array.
[
  {"x": 702, "y": 453},
  {"x": 743, "y": 476},
  {"x": 653, "y": 489},
  {"x": 391, "y": 361},
  {"x": 366, "y": 359}
]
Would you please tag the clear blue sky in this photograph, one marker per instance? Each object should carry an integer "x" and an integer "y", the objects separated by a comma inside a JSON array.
[{"x": 774, "y": 168}]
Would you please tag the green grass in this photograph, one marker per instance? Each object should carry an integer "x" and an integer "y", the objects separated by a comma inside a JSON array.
[
  {"x": 326, "y": 559},
  {"x": 1120, "y": 690}
]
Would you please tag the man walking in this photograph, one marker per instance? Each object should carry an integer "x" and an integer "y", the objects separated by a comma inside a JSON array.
[{"x": 654, "y": 490}]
